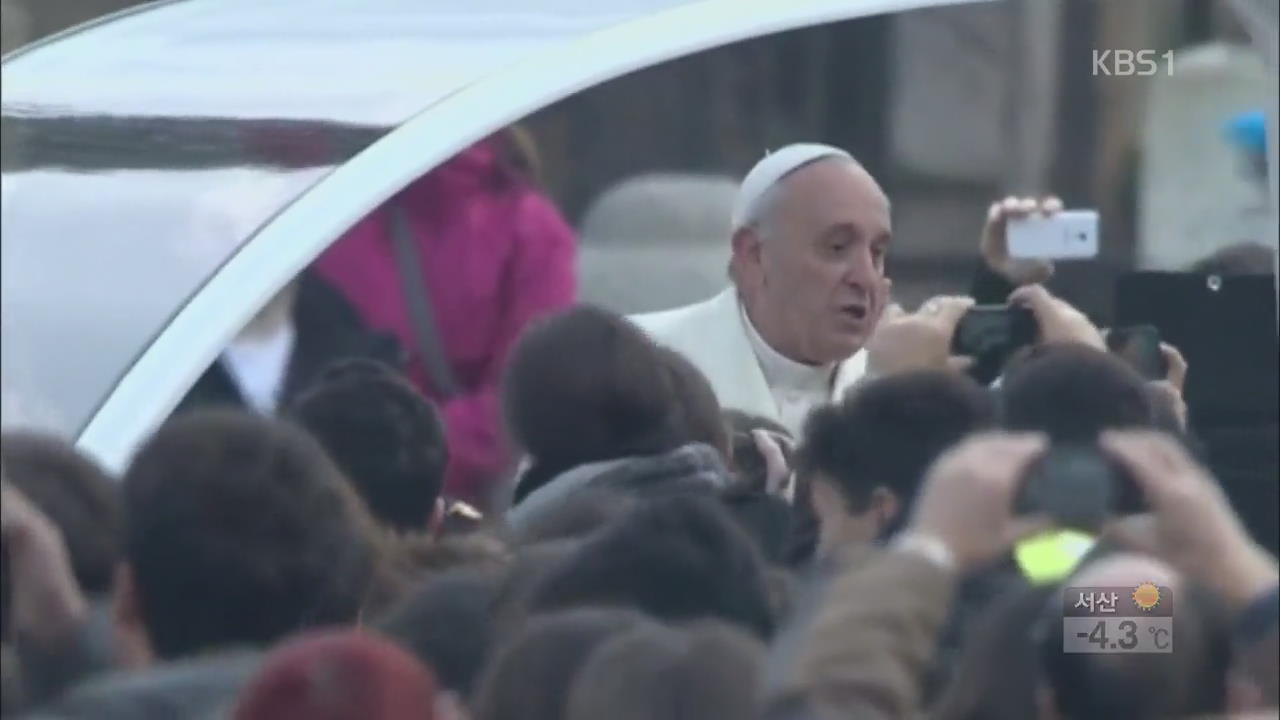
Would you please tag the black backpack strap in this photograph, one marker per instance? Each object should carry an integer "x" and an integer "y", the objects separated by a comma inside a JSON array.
[{"x": 421, "y": 313}]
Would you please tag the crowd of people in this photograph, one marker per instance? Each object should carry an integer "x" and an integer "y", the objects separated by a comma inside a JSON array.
[{"x": 791, "y": 502}]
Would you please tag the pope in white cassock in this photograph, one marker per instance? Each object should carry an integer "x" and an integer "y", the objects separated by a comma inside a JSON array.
[{"x": 810, "y": 231}]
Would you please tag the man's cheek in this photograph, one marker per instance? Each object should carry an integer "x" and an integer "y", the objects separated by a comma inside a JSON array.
[{"x": 876, "y": 301}]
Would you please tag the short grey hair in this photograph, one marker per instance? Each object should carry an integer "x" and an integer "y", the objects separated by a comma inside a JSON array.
[{"x": 759, "y": 211}]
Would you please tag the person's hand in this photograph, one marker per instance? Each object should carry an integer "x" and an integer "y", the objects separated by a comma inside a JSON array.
[
  {"x": 966, "y": 501},
  {"x": 1193, "y": 526},
  {"x": 1171, "y": 395},
  {"x": 1177, "y": 375},
  {"x": 995, "y": 239},
  {"x": 1057, "y": 319},
  {"x": 904, "y": 342},
  {"x": 779, "y": 479},
  {"x": 1175, "y": 379},
  {"x": 46, "y": 603}
]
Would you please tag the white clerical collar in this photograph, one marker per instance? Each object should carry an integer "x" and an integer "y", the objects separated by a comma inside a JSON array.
[
  {"x": 781, "y": 371},
  {"x": 258, "y": 364}
]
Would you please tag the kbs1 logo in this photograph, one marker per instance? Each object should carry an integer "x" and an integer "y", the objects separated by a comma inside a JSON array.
[{"x": 1130, "y": 63}]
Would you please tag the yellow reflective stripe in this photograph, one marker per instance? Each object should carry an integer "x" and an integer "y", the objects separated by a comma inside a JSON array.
[{"x": 1051, "y": 556}]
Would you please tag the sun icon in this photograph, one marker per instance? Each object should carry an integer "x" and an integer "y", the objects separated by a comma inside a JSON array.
[{"x": 1146, "y": 596}]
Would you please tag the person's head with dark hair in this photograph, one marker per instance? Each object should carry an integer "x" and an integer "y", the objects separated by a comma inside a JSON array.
[
  {"x": 407, "y": 558},
  {"x": 676, "y": 558},
  {"x": 584, "y": 386},
  {"x": 697, "y": 403},
  {"x": 341, "y": 675},
  {"x": 383, "y": 434},
  {"x": 239, "y": 530},
  {"x": 766, "y": 518},
  {"x": 980, "y": 688},
  {"x": 865, "y": 457},
  {"x": 1190, "y": 681},
  {"x": 532, "y": 563},
  {"x": 1242, "y": 258},
  {"x": 447, "y": 623},
  {"x": 706, "y": 671},
  {"x": 1072, "y": 392},
  {"x": 77, "y": 495},
  {"x": 805, "y": 528},
  {"x": 529, "y": 678}
]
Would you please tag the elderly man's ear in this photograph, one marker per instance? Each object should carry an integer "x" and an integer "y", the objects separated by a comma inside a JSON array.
[{"x": 747, "y": 260}]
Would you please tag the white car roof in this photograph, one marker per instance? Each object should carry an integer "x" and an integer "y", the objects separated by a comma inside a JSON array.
[{"x": 167, "y": 169}]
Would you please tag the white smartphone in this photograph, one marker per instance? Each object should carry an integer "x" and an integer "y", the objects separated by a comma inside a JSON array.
[{"x": 1068, "y": 235}]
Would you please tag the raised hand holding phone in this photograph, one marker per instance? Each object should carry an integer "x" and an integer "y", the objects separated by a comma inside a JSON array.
[
  {"x": 994, "y": 245},
  {"x": 1066, "y": 235}
]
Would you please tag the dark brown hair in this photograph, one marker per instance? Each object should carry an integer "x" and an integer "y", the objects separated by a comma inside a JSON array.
[
  {"x": 76, "y": 495},
  {"x": 677, "y": 558},
  {"x": 706, "y": 671},
  {"x": 1191, "y": 681},
  {"x": 888, "y": 432},
  {"x": 700, "y": 409},
  {"x": 1072, "y": 392},
  {"x": 981, "y": 688},
  {"x": 529, "y": 678},
  {"x": 384, "y": 434},
  {"x": 587, "y": 385},
  {"x": 240, "y": 530}
]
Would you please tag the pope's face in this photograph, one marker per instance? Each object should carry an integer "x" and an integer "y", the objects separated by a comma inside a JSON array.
[{"x": 814, "y": 283}]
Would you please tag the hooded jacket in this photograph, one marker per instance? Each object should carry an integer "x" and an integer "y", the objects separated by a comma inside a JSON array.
[
  {"x": 495, "y": 255},
  {"x": 694, "y": 466}
]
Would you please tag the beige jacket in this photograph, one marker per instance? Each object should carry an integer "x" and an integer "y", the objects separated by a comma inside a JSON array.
[{"x": 866, "y": 653}]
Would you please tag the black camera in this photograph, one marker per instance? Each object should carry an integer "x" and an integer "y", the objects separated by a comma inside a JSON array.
[
  {"x": 1080, "y": 487},
  {"x": 993, "y": 330}
]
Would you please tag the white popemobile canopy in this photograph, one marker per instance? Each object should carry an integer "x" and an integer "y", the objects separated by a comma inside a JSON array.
[{"x": 148, "y": 210}]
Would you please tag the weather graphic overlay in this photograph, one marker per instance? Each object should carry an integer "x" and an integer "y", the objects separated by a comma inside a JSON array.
[
  {"x": 1117, "y": 619},
  {"x": 1146, "y": 596}
]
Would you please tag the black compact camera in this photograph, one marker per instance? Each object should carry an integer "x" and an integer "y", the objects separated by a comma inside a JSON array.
[
  {"x": 993, "y": 330},
  {"x": 1080, "y": 487}
]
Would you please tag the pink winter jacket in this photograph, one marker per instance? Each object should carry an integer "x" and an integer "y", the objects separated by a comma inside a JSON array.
[{"x": 496, "y": 255}]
